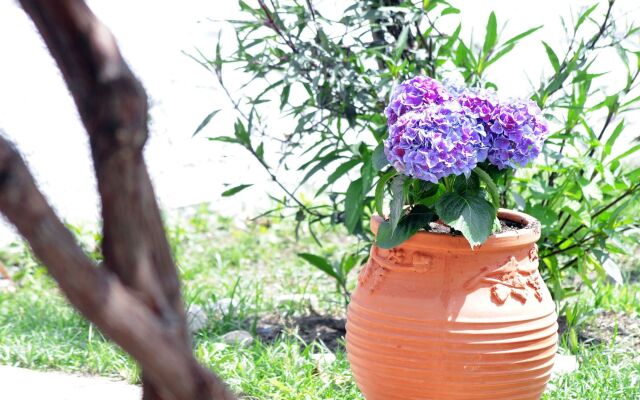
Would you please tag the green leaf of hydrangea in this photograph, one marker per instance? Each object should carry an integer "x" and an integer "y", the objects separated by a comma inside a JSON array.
[
  {"x": 397, "y": 200},
  {"x": 419, "y": 217},
  {"x": 469, "y": 213}
]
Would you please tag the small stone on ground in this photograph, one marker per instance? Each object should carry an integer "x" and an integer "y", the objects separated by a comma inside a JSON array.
[
  {"x": 25, "y": 384},
  {"x": 564, "y": 365},
  {"x": 241, "y": 338},
  {"x": 222, "y": 307},
  {"x": 197, "y": 318}
]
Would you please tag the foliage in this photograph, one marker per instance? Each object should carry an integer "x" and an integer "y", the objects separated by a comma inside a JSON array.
[
  {"x": 342, "y": 72},
  {"x": 338, "y": 271}
]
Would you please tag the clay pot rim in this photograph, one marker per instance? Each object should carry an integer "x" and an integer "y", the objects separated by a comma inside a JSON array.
[{"x": 521, "y": 237}]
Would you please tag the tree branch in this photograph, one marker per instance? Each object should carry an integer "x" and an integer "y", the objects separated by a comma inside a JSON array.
[{"x": 136, "y": 298}]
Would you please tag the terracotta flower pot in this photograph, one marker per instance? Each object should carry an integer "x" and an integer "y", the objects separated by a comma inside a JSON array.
[{"x": 433, "y": 319}]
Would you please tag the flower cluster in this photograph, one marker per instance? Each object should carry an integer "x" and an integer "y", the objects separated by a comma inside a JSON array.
[
  {"x": 435, "y": 142},
  {"x": 517, "y": 132},
  {"x": 437, "y": 130},
  {"x": 415, "y": 94}
]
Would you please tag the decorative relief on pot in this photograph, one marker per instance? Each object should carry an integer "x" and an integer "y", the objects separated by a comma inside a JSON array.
[
  {"x": 422, "y": 261},
  {"x": 371, "y": 275},
  {"x": 395, "y": 255},
  {"x": 398, "y": 259},
  {"x": 509, "y": 280},
  {"x": 533, "y": 253}
]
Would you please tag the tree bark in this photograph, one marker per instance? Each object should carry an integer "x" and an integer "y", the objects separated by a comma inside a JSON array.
[{"x": 134, "y": 298}]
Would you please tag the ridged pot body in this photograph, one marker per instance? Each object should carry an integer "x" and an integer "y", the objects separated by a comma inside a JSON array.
[{"x": 434, "y": 319}]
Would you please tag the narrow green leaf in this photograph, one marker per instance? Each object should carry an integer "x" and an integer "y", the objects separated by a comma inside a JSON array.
[
  {"x": 353, "y": 205},
  {"x": 397, "y": 200},
  {"x": 379, "y": 194},
  {"x": 626, "y": 153},
  {"x": 546, "y": 215},
  {"x": 284, "y": 96},
  {"x": 584, "y": 16},
  {"x": 379, "y": 158},
  {"x": 225, "y": 139},
  {"x": 268, "y": 89},
  {"x": 450, "y": 10},
  {"x": 628, "y": 103},
  {"x": 491, "y": 35},
  {"x": 338, "y": 173},
  {"x": 321, "y": 263},
  {"x": 522, "y": 35},
  {"x": 401, "y": 44},
  {"x": 343, "y": 169},
  {"x": 504, "y": 51},
  {"x": 205, "y": 121},
  {"x": 577, "y": 211},
  {"x": 241, "y": 133},
  {"x": 348, "y": 263},
  {"x": 446, "y": 47},
  {"x": 323, "y": 162},
  {"x": 235, "y": 189},
  {"x": 553, "y": 58},
  {"x": 367, "y": 172},
  {"x": 612, "y": 139},
  {"x": 463, "y": 57},
  {"x": 218, "y": 60},
  {"x": 612, "y": 269}
]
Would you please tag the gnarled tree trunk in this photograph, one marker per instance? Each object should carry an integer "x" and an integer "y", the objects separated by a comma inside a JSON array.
[{"x": 134, "y": 298}]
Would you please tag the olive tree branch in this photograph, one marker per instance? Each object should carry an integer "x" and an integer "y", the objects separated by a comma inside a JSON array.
[{"x": 135, "y": 298}]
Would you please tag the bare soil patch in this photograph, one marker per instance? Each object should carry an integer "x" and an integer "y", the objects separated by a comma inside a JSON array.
[
  {"x": 609, "y": 326},
  {"x": 325, "y": 329}
]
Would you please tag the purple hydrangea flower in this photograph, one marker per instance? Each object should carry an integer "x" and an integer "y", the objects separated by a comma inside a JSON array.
[
  {"x": 478, "y": 103},
  {"x": 441, "y": 129},
  {"x": 414, "y": 94},
  {"x": 516, "y": 130},
  {"x": 435, "y": 142}
]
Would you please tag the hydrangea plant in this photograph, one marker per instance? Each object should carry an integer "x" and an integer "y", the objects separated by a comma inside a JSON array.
[{"x": 445, "y": 141}]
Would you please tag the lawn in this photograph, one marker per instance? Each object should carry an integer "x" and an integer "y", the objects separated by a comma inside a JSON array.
[{"x": 246, "y": 275}]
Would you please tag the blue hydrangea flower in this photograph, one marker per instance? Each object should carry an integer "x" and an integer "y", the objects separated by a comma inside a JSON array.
[
  {"x": 517, "y": 130},
  {"x": 434, "y": 142},
  {"x": 414, "y": 94},
  {"x": 454, "y": 87},
  {"x": 440, "y": 129}
]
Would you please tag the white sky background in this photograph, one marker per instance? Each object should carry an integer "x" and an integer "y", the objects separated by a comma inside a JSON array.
[{"x": 37, "y": 113}]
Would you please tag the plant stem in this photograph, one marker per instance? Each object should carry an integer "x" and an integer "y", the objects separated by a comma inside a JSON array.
[
  {"x": 618, "y": 199},
  {"x": 266, "y": 167}
]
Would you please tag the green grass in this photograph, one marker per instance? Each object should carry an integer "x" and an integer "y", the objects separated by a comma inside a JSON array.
[
  {"x": 254, "y": 264},
  {"x": 605, "y": 372}
]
